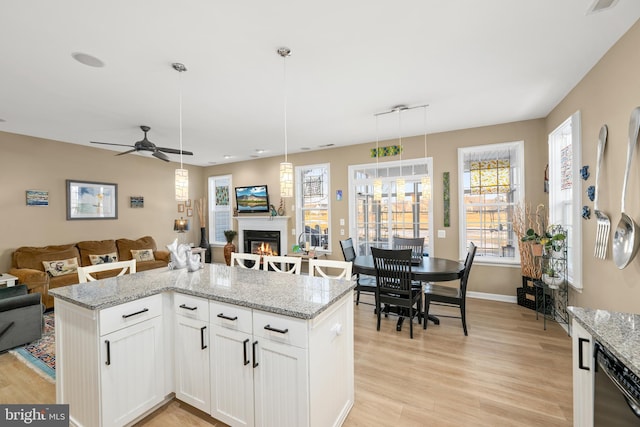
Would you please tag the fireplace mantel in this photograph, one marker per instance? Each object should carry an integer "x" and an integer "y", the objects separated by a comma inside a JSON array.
[{"x": 264, "y": 223}]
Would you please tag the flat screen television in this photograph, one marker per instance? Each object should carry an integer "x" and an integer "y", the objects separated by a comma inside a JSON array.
[{"x": 252, "y": 199}]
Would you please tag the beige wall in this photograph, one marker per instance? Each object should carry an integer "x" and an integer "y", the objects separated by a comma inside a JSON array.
[
  {"x": 443, "y": 148},
  {"x": 606, "y": 95},
  {"x": 37, "y": 164}
]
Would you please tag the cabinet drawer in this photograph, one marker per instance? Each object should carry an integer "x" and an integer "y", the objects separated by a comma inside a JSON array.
[
  {"x": 129, "y": 313},
  {"x": 190, "y": 306},
  {"x": 230, "y": 316},
  {"x": 280, "y": 329}
]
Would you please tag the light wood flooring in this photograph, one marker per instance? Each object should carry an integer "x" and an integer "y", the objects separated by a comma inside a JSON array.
[{"x": 507, "y": 372}]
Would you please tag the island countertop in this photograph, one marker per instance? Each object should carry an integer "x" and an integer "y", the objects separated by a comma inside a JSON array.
[
  {"x": 618, "y": 332},
  {"x": 291, "y": 295}
]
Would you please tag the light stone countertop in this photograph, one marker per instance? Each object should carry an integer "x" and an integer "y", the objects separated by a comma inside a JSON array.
[
  {"x": 618, "y": 332},
  {"x": 290, "y": 295}
]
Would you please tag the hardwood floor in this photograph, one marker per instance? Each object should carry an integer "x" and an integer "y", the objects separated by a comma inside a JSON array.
[{"x": 507, "y": 372}]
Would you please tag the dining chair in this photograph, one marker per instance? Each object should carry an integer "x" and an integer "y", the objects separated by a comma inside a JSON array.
[
  {"x": 282, "y": 264},
  {"x": 450, "y": 296},
  {"x": 319, "y": 267},
  {"x": 416, "y": 245},
  {"x": 244, "y": 260},
  {"x": 393, "y": 284},
  {"x": 85, "y": 273},
  {"x": 364, "y": 283}
]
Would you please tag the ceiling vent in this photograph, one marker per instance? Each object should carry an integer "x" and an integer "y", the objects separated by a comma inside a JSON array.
[{"x": 600, "y": 5}]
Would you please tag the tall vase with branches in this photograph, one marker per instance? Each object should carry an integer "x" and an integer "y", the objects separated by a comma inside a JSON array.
[{"x": 201, "y": 205}]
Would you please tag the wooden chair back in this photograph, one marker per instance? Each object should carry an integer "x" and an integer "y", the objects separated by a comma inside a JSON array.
[
  {"x": 84, "y": 273},
  {"x": 415, "y": 244},
  {"x": 282, "y": 264},
  {"x": 243, "y": 260},
  {"x": 319, "y": 267}
]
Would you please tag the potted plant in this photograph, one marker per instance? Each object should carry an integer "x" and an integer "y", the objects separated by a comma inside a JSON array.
[
  {"x": 229, "y": 247},
  {"x": 554, "y": 241}
]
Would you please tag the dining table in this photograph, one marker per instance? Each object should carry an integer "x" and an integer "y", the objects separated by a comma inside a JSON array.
[{"x": 430, "y": 269}]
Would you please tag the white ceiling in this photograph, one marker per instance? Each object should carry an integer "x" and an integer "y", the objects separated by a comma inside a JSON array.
[{"x": 474, "y": 62}]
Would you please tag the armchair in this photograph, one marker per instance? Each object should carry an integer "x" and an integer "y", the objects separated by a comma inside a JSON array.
[{"x": 20, "y": 317}]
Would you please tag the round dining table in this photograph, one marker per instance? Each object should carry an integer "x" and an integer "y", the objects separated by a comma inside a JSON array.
[{"x": 430, "y": 269}]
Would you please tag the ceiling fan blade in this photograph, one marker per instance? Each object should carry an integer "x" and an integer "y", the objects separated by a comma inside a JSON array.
[
  {"x": 161, "y": 156},
  {"x": 174, "y": 151},
  {"x": 111, "y": 143},
  {"x": 126, "y": 152}
]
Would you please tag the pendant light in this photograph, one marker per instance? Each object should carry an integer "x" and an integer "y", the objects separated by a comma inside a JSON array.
[
  {"x": 400, "y": 182},
  {"x": 182, "y": 175},
  {"x": 426, "y": 179},
  {"x": 286, "y": 167},
  {"x": 377, "y": 183}
]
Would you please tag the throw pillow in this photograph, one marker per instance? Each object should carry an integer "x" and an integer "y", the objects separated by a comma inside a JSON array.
[
  {"x": 62, "y": 267},
  {"x": 142, "y": 255},
  {"x": 103, "y": 259}
]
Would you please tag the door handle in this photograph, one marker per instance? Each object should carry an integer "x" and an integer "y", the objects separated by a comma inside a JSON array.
[
  {"x": 580, "y": 354},
  {"x": 222, "y": 316},
  {"x": 108, "y": 362},
  {"x": 202, "y": 345},
  {"x": 280, "y": 331},
  {"x": 144, "y": 310},
  {"x": 186, "y": 307},
  {"x": 255, "y": 364},
  {"x": 244, "y": 346}
]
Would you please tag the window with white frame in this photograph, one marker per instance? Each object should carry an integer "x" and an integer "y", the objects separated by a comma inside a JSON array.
[
  {"x": 220, "y": 211},
  {"x": 376, "y": 222},
  {"x": 565, "y": 190},
  {"x": 491, "y": 184},
  {"x": 314, "y": 207}
]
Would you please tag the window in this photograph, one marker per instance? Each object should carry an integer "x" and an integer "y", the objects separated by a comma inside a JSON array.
[
  {"x": 565, "y": 190},
  {"x": 491, "y": 184},
  {"x": 312, "y": 215},
  {"x": 375, "y": 223},
  {"x": 220, "y": 211}
]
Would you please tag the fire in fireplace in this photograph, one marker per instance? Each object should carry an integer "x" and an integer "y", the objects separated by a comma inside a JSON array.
[{"x": 262, "y": 242}]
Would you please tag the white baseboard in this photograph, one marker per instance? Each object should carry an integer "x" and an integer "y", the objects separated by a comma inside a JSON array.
[{"x": 493, "y": 297}]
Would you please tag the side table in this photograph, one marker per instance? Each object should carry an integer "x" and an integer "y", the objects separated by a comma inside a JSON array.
[{"x": 8, "y": 280}]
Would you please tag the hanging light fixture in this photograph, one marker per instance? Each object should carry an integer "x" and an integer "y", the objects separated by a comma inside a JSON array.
[
  {"x": 377, "y": 183},
  {"x": 426, "y": 179},
  {"x": 400, "y": 182},
  {"x": 182, "y": 175},
  {"x": 286, "y": 167}
]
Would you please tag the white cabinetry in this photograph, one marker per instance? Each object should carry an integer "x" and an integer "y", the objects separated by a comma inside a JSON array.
[
  {"x": 111, "y": 361},
  {"x": 191, "y": 350},
  {"x": 583, "y": 376},
  {"x": 273, "y": 370}
]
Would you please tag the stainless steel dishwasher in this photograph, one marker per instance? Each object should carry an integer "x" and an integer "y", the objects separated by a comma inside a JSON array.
[{"x": 616, "y": 392}]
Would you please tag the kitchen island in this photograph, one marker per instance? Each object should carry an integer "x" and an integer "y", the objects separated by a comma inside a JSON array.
[{"x": 249, "y": 347}]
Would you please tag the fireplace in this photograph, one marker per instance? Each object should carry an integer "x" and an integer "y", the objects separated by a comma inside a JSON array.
[
  {"x": 271, "y": 224},
  {"x": 262, "y": 242}
]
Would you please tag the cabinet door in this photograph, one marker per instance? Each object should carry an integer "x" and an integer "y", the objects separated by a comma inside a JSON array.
[
  {"x": 583, "y": 376},
  {"x": 191, "y": 354},
  {"x": 231, "y": 376},
  {"x": 132, "y": 363},
  {"x": 281, "y": 385}
]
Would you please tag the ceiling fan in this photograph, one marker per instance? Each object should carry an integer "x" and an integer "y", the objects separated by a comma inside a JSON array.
[{"x": 146, "y": 145}]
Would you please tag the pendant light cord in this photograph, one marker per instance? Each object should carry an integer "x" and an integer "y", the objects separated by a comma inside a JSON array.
[
  {"x": 377, "y": 149},
  {"x": 425, "y": 139},
  {"x": 284, "y": 68},
  {"x": 180, "y": 115}
]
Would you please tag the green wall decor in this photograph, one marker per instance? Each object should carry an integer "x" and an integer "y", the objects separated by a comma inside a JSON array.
[
  {"x": 390, "y": 150},
  {"x": 446, "y": 198}
]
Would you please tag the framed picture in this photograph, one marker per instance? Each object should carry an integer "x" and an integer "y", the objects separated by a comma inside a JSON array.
[
  {"x": 187, "y": 203},
  {"x": 136, "y": 201},
  {"x": 189, "y": 212},
  {"x": 180, "y": 207},
  {"x": 91, "y": 200},
  {"x": 37, "y": 198}
]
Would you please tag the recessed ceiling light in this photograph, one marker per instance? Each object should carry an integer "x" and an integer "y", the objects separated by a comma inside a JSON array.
[
  {"x": 260, "y": 150},
  {"x": 86, "y": 59},
  {"x": 600, "y": 5},
  {"x": 305, "y": 148},
  {"x": 213, "y": 163},
  {"x": 253, "y": 156},
  {"x": 227, "y": 156},
  {"x": 326, "y": 145}
]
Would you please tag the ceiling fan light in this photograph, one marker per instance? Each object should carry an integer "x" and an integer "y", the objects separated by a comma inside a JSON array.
[
  {"x": 286, "y": 179},
  {"x": 182, "y": 185}
]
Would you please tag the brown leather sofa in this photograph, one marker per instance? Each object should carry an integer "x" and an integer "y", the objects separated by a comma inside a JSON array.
[{"x": 27, "y": 261}]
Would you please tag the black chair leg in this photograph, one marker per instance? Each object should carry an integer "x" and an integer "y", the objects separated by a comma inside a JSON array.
[
  {"x": 426, "y": 313},
  {"x": 411, "y": 322},
  {"x": 378, "y": 309},
  {"x": 357, "y": 297},
  {"x": 464, "y": 319}
]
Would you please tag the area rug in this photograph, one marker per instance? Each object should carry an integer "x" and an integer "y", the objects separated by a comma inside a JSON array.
[{"x": 40, "y": 355}]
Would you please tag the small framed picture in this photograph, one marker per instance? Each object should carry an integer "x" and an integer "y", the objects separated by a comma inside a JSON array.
[
  {"x": 37, "y": 198},
  {"x": 187, "y": 203},
  {"x": 189, "y": 212},
  {"x": 136, "y": 201},
  {"x": 180, "y": 207}
]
